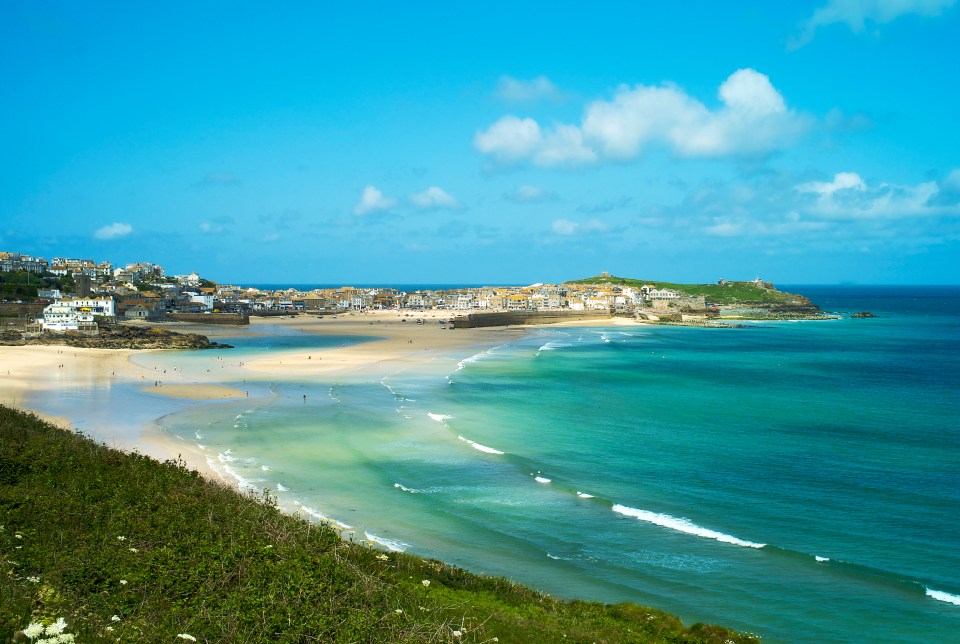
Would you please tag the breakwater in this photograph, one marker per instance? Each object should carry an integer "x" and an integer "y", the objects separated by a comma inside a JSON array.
[
  {"x": 238, "y": 319},
  {"x": 509, "y": 318}
]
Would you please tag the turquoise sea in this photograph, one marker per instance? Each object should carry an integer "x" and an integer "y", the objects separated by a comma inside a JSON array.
[{"x": 799, "y": 480}]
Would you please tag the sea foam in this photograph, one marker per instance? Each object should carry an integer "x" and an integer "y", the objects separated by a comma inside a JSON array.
[
  {"x": 541, "y": 479},
  {"x": 553, "y": 345},
  {"x": 389, "y": 544},
  {"x": 482, "y": 448},
  {"x": 939, "y": 595},
  {"x": 324, "y": 518},
  {"x": 682, "y": 525},
  {"x": 439, "y": 417}
]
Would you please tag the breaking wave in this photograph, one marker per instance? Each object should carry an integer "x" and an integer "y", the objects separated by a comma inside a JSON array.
[
  {"x": 939, "y": 595},
  {"x": 478, "y": 446},
  {"x": 390, "y": 544},
  {"x": 324, "y": 518},
  {"x": 683, "y": 525}
]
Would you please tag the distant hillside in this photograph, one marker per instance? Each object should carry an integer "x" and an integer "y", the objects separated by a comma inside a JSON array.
[{"x": 726, "y": 293}]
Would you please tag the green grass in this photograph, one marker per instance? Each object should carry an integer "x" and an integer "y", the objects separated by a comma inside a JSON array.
[
  {"x": 89, "y": 533},
  {"x": 728, "y": 293}
]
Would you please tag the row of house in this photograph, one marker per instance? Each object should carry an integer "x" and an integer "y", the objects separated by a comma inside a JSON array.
[
  {"x": 16, "y": 262},
  {"x": 143, "y": 290},
  {"x": 536, "y": 297}
]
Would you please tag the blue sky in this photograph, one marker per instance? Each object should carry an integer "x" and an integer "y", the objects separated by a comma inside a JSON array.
[{"x": 494, "y": 142}]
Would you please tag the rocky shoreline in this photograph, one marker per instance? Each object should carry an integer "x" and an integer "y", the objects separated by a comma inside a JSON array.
[{"x": 121, "y": 337}]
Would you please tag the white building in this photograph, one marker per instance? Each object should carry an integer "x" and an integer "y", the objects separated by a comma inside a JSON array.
[
  {"x": 205, "y": 300},
  {"x": 97, "y": 306},
  {"x": 661, "y": 294},
  {"x": 61, "y": 316}
]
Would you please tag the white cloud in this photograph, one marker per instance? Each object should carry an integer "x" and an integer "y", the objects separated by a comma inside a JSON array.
[
  {"x": 434, "y": 197},
  {"x": 372, "y": 200},
  {"x": 841, "y": 181},
  {"x": 113, "y": 231},
  {"x": 753, "y": 119},
  {"x": 529, "y": 194},
  {"x": 848, "y": 196},
  {"x": 211, "y": 228},
  {"x": 516, "y": 90},
  {"x": 566, "y": 227},
  {"x": 949, "y": 192},
  {"x": 776, "y": 213},
  {"x": 953, "y": 180},
  {"x": 564, "y": 146},
  {"x": 790, "y": 226},
  {"x": 509, "y": 139},
  {"x": 725, "y": 229},
  {"x": 857, "y": 13}
]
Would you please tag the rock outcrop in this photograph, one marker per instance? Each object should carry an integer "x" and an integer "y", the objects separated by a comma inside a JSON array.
[{"x": 121, "y": 337}]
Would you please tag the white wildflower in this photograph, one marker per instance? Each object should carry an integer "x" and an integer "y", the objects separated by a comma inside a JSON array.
[
  {"x": 457, "y": 634},
  {"x": 57, "y": 627},
  {"x": 133, "y": 550},
  {"x": 123, "y": 582},
  {"x": 34, "y": 630},
  {"x": 18, "y": 536},
  {"x": 186, "y": 636},
  {"x": 398, "y": 611},
  {"x": 33, "y": 580},
  {"x": 109, "y": 629},
  {"x": 121, "y": 538},
  {"x": 383, "y": 557},
  {"x": 425, "y": 582},
  {"x": 115, "y": 618}
]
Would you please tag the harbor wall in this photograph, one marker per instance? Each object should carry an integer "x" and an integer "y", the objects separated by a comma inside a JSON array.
[
  {"x": 237, "y": 319},
  {"x": 510, "y": 318}
]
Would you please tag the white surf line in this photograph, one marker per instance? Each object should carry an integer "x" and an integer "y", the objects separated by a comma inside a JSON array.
[
  {"x": 939, "y": 595},
  {"x": 683, "y": 525},
  {"x": 478, "y": 446}
]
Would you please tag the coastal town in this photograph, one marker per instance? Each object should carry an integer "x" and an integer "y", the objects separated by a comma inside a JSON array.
[{"x": 71, "y": 294}]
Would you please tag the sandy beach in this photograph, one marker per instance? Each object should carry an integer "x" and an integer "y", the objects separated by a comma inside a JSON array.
[
  {"x": 29, "y": 373},
  {"x": 398, "y": 341}
]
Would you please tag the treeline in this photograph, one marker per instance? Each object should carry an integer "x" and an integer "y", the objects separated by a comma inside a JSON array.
[{"x": 24, "y": 285}]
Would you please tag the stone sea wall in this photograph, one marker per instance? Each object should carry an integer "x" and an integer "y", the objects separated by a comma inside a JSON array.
[
  {"x": 211, "y": 318},
  {"x": 509, "y": 318}
]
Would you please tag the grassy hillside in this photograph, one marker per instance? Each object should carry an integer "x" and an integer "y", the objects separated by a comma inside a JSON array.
[
  {"x": 728, "y": 293},
  {"x": 124, "y": 548}
]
